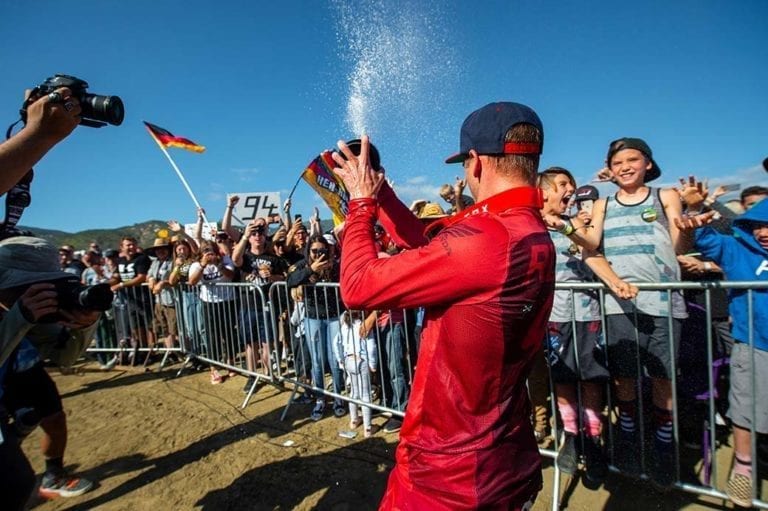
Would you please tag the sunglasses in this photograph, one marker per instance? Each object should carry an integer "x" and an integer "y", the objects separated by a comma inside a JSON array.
[{"x": 259, "y": 229}]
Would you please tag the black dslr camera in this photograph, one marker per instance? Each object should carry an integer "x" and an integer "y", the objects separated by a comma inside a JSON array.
[
  {"x": 97, "y": 111},
  {"x": 72, "y": 295}
]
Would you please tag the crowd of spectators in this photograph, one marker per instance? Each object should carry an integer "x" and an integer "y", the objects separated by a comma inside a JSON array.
[
  {"x": 638, "y": 234},
  {"x": 646, "y": 235}
]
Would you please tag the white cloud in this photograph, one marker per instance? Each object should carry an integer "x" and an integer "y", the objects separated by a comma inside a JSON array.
[
  {"x": 215, "y": 197},
  {"x": 245, "y": 174},
  {"x": 417, "y": 187}
]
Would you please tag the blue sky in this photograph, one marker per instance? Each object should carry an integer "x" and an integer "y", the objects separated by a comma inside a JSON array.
[{"x": 265, "y": 86}]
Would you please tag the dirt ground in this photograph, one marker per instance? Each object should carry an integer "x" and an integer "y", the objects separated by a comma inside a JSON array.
[{"x": 152, "y": 441}]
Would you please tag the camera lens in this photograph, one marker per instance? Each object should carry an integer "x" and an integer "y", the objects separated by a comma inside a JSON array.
[
  {"x": 102, "y": 108},
  {"x": 97, "y": 297}
]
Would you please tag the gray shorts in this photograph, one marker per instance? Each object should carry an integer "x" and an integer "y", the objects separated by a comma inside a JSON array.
[
  {"x": 740, "y": 395},
  {"x": 650, "y": 338},
  {"x": 563, "y": 346}
]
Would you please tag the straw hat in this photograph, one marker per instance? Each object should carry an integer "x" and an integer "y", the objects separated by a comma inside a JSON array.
[
  {"x": 432, "y": 211},
  {"x": 159, "y": 243}
]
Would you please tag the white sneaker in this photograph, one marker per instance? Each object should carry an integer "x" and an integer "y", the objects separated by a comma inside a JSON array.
[{"x": 109, "y": 365}]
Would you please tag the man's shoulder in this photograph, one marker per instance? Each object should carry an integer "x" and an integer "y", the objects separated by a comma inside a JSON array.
[{"x": 485, "y": 230}]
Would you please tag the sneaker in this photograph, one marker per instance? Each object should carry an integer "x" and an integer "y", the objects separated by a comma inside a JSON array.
[
  {"x": 339, "y": 410},
  {"x": 317, "y": 412},
  {"x": 303, "y": 399},
  {"x": 663, "y": 466},
  {"x": 739, "y": 490},
  {"x": 596, "y": 467},
  {"x": 109, "y": 365},
  {"x": 54, "y": 486},
  {"x": 568, "y": 457},
  {"x": 248, "y": 384},
  {"x": 393, "y": 425}
]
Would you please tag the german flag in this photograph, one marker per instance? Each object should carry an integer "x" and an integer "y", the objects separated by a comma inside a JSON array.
[
  {"x": 319, "y": 175},
  {"x": 168, "y": 139}
]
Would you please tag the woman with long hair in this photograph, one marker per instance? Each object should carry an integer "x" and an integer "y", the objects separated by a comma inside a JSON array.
[
  {"x": 323, "y": 309},
  {"x": 219, "y": 311}
]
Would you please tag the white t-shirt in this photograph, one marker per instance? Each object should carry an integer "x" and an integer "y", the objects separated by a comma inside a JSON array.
[{"x": 212, "y": 275}]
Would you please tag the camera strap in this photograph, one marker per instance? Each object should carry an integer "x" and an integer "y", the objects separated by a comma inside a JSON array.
[
  {"x": 19, "y": 197},
  {"x": 17, "y": 200}
]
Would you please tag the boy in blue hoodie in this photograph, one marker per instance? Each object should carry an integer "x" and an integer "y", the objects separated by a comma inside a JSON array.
[{"x": 743, "y": 257}]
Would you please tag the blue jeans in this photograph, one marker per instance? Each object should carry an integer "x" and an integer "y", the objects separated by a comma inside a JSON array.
[
  {"x": 192, "y": 318},
  {"x": 393, "y": 337},
  {"x": 320, "y": 335}
]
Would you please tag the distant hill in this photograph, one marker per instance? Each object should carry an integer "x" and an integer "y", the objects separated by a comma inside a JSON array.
[{"x": 144, "y": 232}]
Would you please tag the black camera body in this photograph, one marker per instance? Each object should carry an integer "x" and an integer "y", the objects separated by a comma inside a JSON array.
[
  {"x": 97, "y": 111},
  {"x": 72, "y": 295}
]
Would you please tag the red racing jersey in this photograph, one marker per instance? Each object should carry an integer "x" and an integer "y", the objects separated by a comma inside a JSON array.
[{"x": 487, "y": 283}]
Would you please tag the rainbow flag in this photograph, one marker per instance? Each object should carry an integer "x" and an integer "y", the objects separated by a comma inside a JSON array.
[
  {"x": 168, "y": 139},
  {"x": 319, "y": 175}
]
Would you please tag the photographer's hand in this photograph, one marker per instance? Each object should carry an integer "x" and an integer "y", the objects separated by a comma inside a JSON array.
[
  {"x": 54, "y": 120},
  {"x": 37, "y": 301},
  {"x": 48, "y": 123},
  {"x": 75, "y": 319}
]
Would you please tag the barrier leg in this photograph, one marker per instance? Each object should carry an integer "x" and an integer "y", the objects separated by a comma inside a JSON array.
[{"x": 187, "y": 360}]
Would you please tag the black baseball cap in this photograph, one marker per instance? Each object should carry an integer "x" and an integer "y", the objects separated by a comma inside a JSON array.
[
  {"x": 586, "y": 192},
  {"x": 638, "y": 144},
  {"x": 484, "y": 131},
  {"x": 373, "y": 154}
]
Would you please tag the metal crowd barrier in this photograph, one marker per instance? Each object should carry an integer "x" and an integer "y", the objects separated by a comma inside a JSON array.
[
  {"x": 275, "y": 340},
  {"x": 132, "y": 329},
  {"x": 711, "y": 365}
]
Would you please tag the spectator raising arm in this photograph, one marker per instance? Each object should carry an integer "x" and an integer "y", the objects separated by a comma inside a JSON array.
[
  {"x": 179, "y": 230},
  {"x": 314, "y": 223},
  {"x": 226, "y": 221}
]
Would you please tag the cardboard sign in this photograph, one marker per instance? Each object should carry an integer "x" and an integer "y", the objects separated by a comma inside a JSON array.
[
  {"x": 254, "y": 205},
  {"x": 209, "y": 230}
]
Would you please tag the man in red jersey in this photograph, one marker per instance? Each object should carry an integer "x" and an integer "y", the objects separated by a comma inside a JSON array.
[{"x": 467, "y": 440}]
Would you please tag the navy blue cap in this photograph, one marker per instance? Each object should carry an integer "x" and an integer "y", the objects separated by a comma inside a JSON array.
[{"x": 485, "y": 129}]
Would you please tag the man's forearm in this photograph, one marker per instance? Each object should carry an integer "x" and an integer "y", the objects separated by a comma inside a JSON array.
[{"x": 19, "y": 154}]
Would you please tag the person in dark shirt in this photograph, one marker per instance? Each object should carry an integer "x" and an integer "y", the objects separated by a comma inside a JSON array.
[
  {"x": 323, "y": 310},
  {"x": 68, "y": 263},
  {"x": 132, "y": 270},
  {"x": 260, "y": 267}
]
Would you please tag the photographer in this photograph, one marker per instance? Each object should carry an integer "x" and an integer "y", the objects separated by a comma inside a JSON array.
[
  {"x": 28, "y": 299},
  {"x": 50, "y": 119}
]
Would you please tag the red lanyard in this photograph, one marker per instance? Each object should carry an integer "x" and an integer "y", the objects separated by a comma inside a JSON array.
[{"x": 524, "y": 196}]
